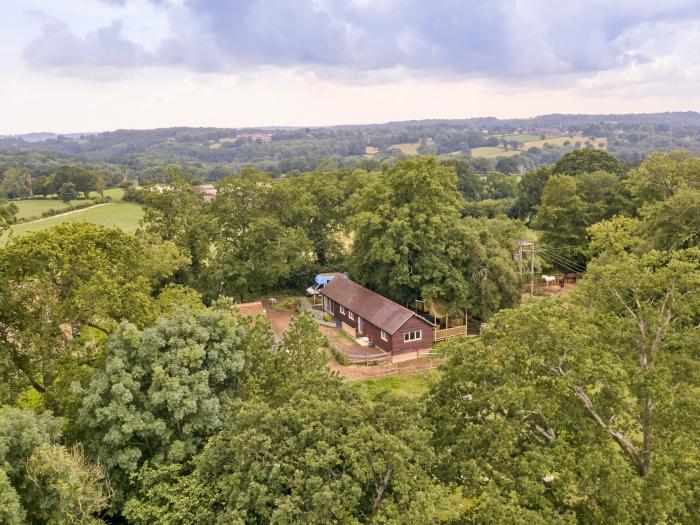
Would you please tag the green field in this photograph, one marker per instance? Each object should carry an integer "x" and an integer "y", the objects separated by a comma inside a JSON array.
[
  {"x": 124, "y": 215},
  {"x": 413, "y": 384},
  {"x": 407, "y": 148},
  {"x": 33, "y": 208},
  {"x": 559, "y": 141},
  {"x": 115, "y": 194},
  {"x": 492, "y": 152},
  {"x": 30, "y": 209},
  {"x": 520, "y": 137}
]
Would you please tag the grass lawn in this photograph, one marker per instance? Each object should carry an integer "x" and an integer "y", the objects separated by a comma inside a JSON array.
[
  {"x": 33, "y": 208},
  {"x": 124, "y": 215},
  {"x": 520, "y": 137},
  {"x": 413, "y": 384},
  {"x": 492, "y": 152},
  {"x": 559, "y": 141},
  {"x": 115, "y": 194},
  {"x": 407, "y": 148},
  {"x": 30, "y": 209}
]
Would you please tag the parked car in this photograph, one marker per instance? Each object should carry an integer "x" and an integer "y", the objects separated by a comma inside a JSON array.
[{"x": 314, "y": 290}]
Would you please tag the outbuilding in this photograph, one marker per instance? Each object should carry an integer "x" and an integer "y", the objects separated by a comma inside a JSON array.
[{"x": 388, "y": 325}]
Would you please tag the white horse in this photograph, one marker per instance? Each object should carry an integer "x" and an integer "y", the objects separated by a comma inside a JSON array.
[{"x": 549, "y": 279}]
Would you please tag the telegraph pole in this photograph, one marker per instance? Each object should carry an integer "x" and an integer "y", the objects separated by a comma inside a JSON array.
[{"x": 529, "y": 248}]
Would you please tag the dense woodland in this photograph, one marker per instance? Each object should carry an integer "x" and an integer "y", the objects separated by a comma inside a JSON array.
[
  {"x": 134, "y": 392},
  {"x": 210, "y": 154}
]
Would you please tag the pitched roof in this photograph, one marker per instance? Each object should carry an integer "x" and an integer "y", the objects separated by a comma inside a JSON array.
[{"x": 378, "y": 310}]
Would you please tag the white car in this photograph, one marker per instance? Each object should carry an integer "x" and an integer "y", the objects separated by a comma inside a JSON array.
[{"x": 314, "y": 290}]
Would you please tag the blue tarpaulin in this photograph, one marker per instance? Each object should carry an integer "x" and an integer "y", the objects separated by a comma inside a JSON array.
[{"x": 325, "y": 278}]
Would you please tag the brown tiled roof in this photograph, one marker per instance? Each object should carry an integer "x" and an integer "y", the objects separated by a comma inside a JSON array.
[{"x": 378, "y": 310}]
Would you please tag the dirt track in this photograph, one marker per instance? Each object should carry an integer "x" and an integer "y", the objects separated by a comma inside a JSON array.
[{"x": 68, "y": 213}]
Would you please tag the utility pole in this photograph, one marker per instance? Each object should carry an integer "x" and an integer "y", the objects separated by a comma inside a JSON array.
[{"x": 529, "y": 248}]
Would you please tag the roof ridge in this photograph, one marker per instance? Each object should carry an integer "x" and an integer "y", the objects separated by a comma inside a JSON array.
[{"x": 368, "y": 304}]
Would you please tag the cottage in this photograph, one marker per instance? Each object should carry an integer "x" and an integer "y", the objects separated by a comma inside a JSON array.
[
  {"x": 208, "y": 191},
  {"x": 389, "y": 326}
]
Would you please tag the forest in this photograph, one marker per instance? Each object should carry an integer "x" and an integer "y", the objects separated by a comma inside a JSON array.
[
  {"x": 134, "y": 391},
  {"x": 209, "y": 154}
]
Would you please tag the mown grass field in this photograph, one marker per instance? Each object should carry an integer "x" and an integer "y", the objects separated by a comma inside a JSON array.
[
  {"x": 407, "y": 148},
  {"x": 124, "y": 215},
  {"x": 413, "y": 384},
  {"x": 559, "y": 141},
  {"x": 33, "y": 208},
  {"x": 520, "y": 137},
  {"x": 30, "y": 209},
  {"x": 492, "y": 152}
]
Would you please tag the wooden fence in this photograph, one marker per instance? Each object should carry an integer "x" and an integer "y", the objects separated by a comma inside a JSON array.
[
  {"x": 441, "y": 335},
  {"x": 367, "y": 359}
]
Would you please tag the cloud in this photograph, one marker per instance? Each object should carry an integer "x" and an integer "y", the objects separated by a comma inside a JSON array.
[
  {"x": 100, "y": 53},
  {"x": 510, "y": 39}
]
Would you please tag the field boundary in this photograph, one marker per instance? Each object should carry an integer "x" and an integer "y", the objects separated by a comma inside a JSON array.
[{"x": 67, "y": 213}]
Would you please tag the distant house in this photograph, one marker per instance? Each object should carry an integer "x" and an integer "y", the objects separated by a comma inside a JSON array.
[
  {"x": 391, "y": 327},
  {"x": 208, "y": 191}
]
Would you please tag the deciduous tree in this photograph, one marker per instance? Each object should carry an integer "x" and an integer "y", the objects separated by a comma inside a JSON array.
[{"x": 55, "y": 282}]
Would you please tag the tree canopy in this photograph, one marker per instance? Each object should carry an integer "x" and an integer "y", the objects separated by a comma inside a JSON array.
[{"x": 73, "y": 277}]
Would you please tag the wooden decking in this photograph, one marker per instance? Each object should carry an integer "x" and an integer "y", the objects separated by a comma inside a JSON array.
[{"x": 441, "y": 335}]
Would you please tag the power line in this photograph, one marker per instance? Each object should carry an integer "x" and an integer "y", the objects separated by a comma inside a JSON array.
[
  {"x": 559, "y": 262},
  {"x": 571, "y": 262},
  {"x": 563, "y": 261}
]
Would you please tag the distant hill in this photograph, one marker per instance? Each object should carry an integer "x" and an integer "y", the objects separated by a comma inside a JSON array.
[
  {"x": 213, "y": 152},
  {"x": 42, "y": 136}
]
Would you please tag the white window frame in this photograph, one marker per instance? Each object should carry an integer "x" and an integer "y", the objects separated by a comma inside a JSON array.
[
  {"x": 342, "y": 309},
  {"x": 351, "y": 315},
  {"x": 414, "y": 335},
  {"x": 383, "y": 335}
]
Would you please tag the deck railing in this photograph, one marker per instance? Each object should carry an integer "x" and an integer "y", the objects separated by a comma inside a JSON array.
[{"x": 441, "y": 335}]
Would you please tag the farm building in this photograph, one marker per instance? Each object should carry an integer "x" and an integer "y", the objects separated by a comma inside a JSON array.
[
  {"x": 388, "y": 326},
  {"x": 208, "y": 191}
]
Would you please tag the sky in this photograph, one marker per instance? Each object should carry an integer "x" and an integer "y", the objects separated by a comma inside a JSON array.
[{"x": 95, "y": 65}]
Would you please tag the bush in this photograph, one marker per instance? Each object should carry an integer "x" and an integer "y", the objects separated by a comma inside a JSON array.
[
  {"x": 339, "y": 356},
  {"x": 327, "y": 317}
]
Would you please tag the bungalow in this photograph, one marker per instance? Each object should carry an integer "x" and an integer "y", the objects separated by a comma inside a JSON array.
[
  {"x": 389, "y": 326},
  {"x": 208, "y": 191}
]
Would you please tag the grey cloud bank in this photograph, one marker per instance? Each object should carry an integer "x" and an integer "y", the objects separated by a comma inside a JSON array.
[{"x": 509, "y": 39}]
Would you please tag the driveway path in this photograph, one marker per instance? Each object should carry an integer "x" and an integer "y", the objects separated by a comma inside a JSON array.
[{"x": 68, "y": 213}]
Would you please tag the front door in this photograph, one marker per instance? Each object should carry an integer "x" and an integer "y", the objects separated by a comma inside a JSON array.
[{"x": 359, "y": 324}]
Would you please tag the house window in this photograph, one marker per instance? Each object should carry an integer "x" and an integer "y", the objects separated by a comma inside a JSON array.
[
  {"x": 351, "y": 315},
  {"x": 412, "y": 336},
  {"x": 384, "y": 335},
  {"x": 342, "y": 309}
]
